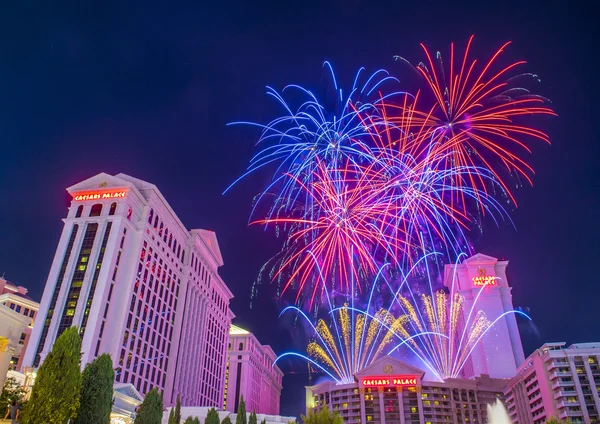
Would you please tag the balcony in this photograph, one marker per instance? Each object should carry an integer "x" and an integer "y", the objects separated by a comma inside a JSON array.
[
  {"x": 560, "y": 383},
  {"x": 554, "y": 375},
  {"x": 557, "y": 363},
  {"x": 566, "y": 403},
  {"x": 567, "y": 414}
]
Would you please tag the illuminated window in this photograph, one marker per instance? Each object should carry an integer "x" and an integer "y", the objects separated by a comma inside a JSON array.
[
  {"x": 96, "y": 210},
  {"x": 79, "y": 211},
  {"x": 113, "y": 208},
  {"x": 369, "y": 417},
  {"x": 424, "y": 395},
  {"x": 81, "y": 267},
  {"x": 70, "y": 312},
  {"x": 592, "y": 360},
  {"x": 413, "y": 409}
]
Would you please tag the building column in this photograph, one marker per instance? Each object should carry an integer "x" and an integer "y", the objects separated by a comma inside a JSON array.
[
  {"x": 363, "y": 415},
  {"x": 401, "y": 404},
  {"x": 420, "y": 403},
  {"x": 7, "y": 350},
  {"x": 381, "y": 405}
]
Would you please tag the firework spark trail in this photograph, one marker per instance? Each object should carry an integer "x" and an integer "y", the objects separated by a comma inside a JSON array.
[{"x": 472, "y": 116}]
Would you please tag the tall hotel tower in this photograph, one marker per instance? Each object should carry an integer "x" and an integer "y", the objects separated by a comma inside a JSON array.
[
  {"x": 482, "y": 279},
  {"x": 140, "y": 287}
]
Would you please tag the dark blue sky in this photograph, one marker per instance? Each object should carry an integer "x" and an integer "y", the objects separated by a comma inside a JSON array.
[{"x": 147, "y": 89}]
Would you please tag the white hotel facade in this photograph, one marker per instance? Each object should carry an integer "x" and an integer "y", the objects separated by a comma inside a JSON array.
[{"x": 141, "y": 287}]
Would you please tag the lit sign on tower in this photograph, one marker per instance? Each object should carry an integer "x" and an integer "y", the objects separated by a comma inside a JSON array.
[
  {"x": 389, "y": 381},
  {"x": 100, "y": 195},
  {"x": 483, "y": 279}
]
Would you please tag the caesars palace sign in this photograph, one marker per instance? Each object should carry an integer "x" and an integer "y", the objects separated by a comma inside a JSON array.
[
  {"x": 100, "y": 195},
  {"x": 391, "y": 381}
]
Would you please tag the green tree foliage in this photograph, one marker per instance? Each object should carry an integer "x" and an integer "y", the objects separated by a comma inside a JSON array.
[
  {"x": 178, "y": 410},
  {"x": 241, "y": 412},
  {"x": 289, "y": 422},
  {"x": 212, "y": 417},
  {"x": 253, "y": 419},
  {"x": 11, "y": 392},
  {"x": 151, "y": 409},
  {"x": 55, "y": 395},
  {"x": 555, "y": 421},
  {"x": 196, "y": 421},
  {"x": 96, "y": 391},
  {"x": 264, "y": 421},
  {"x": 226, "y": 420},
  {"x": 324, "y": 416},
  {"x": 189, "y": 420},
  {"x": 175, "y": 414}
]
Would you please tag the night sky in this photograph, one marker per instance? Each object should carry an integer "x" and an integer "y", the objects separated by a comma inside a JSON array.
[{"x": 147, "y": 90}]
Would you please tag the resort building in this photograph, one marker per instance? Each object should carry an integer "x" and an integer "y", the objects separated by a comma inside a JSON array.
[
  {"x": 482, "y": 279},
  {"x": 251, "y": 373},
  {"x": 557, "y": 381},
  {"x": 141, "y": 287},
  {"x": 15, "y": 297},
  {"x": 390, "y": 391}
]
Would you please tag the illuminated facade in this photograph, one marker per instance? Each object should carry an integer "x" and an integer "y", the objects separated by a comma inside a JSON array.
[
  {"x": 557, "y": 382},
  {"x": 500, "y": 351},
  {"x": 251, "y": 374},
  {"x": 140, "y": 287},
  {"x": 392, "y": 392},
  {"x": 15, "y": 297}
]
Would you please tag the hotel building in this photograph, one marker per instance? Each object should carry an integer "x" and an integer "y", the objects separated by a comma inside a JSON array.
[
  {"x": 15, "y": 297},
  {"x": 251, "y": 373},
  {"x": 557, "y": 381},
  {"x": 482, "y": 278},
  {"x": 140, "y": 287},
  {"x": 392, "y": 392}
]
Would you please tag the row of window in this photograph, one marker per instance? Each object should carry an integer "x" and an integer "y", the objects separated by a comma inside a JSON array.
[
  {"x": 17, "y": 308},
  {"x": 163, "y": 231},
  {"x": 96, "y": 210},
  {"x": 149, "y": 329}
]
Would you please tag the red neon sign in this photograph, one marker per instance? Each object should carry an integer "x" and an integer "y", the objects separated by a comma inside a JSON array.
[
  {"x": 484, "y": 280},
  {"x": 392, "y": 381},
  {"x": 100, "y": 195}
]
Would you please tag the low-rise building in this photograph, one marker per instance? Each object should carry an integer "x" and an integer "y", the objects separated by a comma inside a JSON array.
[
  {"x": 15, "y": 297},
  {"x": 557, "y": 381},
  {"x": 390, "y": 391}
]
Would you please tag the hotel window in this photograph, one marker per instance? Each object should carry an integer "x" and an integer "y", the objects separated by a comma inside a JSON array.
[
  {"x": 79, "y": 211},
  {"x": 113, "y": 208},
  {"x": 96, "y": 210},
  {"x": 150, "y": 216},
  {"x": 129, "y": 212}
]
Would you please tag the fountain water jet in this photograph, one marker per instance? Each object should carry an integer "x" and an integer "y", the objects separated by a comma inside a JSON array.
[{"x": 497, "y": 414}]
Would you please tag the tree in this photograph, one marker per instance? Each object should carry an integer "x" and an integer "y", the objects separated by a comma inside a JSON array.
[
  {"x": 151, "y": 409},
  {"x": 241, "y": 412},
  {"x": 212, "y": 417},
  {"x": 55, "y": 395},
  {"x": 189, "y": 420},
  {"x": 253, "y": 419},
  {"x": 264, "y": 421},
  {"x": 196, "y": 421},
  {"x": 226, "y": 420},
  {"x": 323, "y": 416},
  {"x": 11, "y": 392},
  {"x": 555, "y": 421},
  {"x": 175, "y": 414},
  {"x": 96, "y": 391}
]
